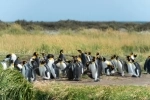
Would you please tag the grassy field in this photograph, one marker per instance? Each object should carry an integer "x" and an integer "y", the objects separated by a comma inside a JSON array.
[{"x": 109, "y": 42}]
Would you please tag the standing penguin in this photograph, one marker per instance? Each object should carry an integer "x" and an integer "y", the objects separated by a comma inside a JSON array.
[
  {"x": 76, "y": 70},
  {"x": 118, "y": 64},
  {"x": 93, "y": 67},
  {"x": 10, "y": 58},
  {"x": 147, "y": 65},
  {"x": 61, "y": 62},
  {"x": 44, "y": 73},
  {"x": 83, "y": 58},
  {"x": 137, "y": 65},
  {"x": 88, "y": 57},
  {"x": 62, "y": 56},
  {"x": 99, "y": 64},
  {"x": 51, "y": 65},
  {"x": 24, "y": 69},
  {"x": 133, "y": 68},
  {"x": 69, "y": 70},
  {"x": 108, "y": 67}
]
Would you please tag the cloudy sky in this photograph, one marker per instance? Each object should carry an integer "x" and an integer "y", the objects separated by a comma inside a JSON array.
[{"x": 81, "y": 10}]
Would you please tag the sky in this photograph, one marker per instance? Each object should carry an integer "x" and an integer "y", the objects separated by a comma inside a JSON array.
[{"x": 80, "y": 10}]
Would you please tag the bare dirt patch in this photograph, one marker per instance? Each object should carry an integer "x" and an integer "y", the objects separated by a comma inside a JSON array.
[{"x": 144, "y": 80}]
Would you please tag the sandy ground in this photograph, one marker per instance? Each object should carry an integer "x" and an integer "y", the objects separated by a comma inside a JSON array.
[{"x": 144, "y": 80}]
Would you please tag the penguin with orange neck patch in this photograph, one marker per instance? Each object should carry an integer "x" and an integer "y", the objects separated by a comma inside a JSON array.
[
  {"x": 34, "y": 63},
  {"x": 54, "y": 71},
  {"x": 10, "y": 58},
  {"x": 93, "y": 67},
  {"x": 83, "y": 58},
  {"x": 13, "y": 62},
  {"x": 134, "y": 68},
  {"x": 76, "y": 69},
  {"x": 44, "y": 70}
]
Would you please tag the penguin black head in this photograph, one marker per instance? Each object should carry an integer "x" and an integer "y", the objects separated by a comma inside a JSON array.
[
  {"x": 79, "y": 51},
  {"x": 43, "y": 54},
  {"x": 89, "y": 53},
  {"x": 43, "y": 62},
  {"x": 8, "y": 56},
  {"x": 135, "y": 55},
  {"x": 93, "y": 59},
  {"x": 112, "y": 57},
  {"x": 50, "y": 56},
  {"x": 104, "y": 59},
  {"x": 131, "y": 53},
  {"x": 61, "y": 51},
  {"x": 24, "y": 62},
  {"x": 35, "y": 54},
  {"x": 85, "y": 52},
  {"x": 97, "y": 53},
  {"x": 128, "y": 58},
  {"x": 117, "y": 57}
]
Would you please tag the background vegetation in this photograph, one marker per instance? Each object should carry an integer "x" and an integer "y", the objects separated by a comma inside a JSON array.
[
  {"x": 17, "y": 39},
  {"x": 77, "y": 25}
]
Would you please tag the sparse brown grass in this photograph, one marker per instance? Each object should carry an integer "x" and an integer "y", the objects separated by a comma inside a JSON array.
[{"x": 106, "y": 42}]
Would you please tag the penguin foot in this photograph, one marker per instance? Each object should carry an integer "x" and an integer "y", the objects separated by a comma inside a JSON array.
[
  {"x": 96, "y": 80},
  {"x": 134, "y": 76},
  {"x": 76, "y": 79}
]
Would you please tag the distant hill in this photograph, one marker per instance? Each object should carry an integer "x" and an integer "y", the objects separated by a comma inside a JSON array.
[{"x": 76, "y": 25}]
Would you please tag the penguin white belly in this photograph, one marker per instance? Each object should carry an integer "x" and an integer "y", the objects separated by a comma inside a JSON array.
[
  {"x": 131, "y": 68},
  {"x": 52, "y": 69},
  {"x": 119, "y": 66},
  {"x": 13, "y": 57},
  {"x": 4, "y": 64},
  {"x": 89, "y": 67},
  {"x": 108, "y": 62},
  {"x": 61, "y": 65},
  {"x": 24, "y": 71},
  {"x": 93, "y": 70},
  {"x": 130, "y": 71},
  {"x": 104, "y": 65},
  {"x": 115, "y": 64},
  {"x": 20, "y": 66},
  {"x": 42, "y": 70}
]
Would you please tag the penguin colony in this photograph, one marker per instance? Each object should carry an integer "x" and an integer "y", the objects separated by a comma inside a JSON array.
[{"x": 47, "y": 67}]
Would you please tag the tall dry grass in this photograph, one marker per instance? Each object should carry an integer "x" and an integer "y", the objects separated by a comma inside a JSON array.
[{"x": 106, "y": 42}]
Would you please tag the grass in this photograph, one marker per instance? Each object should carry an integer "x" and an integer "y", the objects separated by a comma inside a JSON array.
[
  {"x": 61, "y": 91},
  {"x": 107, "y": 42},
  {"x": 14, "y": 87}
]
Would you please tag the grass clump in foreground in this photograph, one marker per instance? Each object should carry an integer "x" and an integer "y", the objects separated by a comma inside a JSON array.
[
  {"x": 14, "y": 87},
  {"x": 61, "y": 91}
]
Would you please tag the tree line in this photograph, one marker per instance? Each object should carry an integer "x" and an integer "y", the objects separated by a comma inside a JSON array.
[{"x": 75, "y": 25}]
